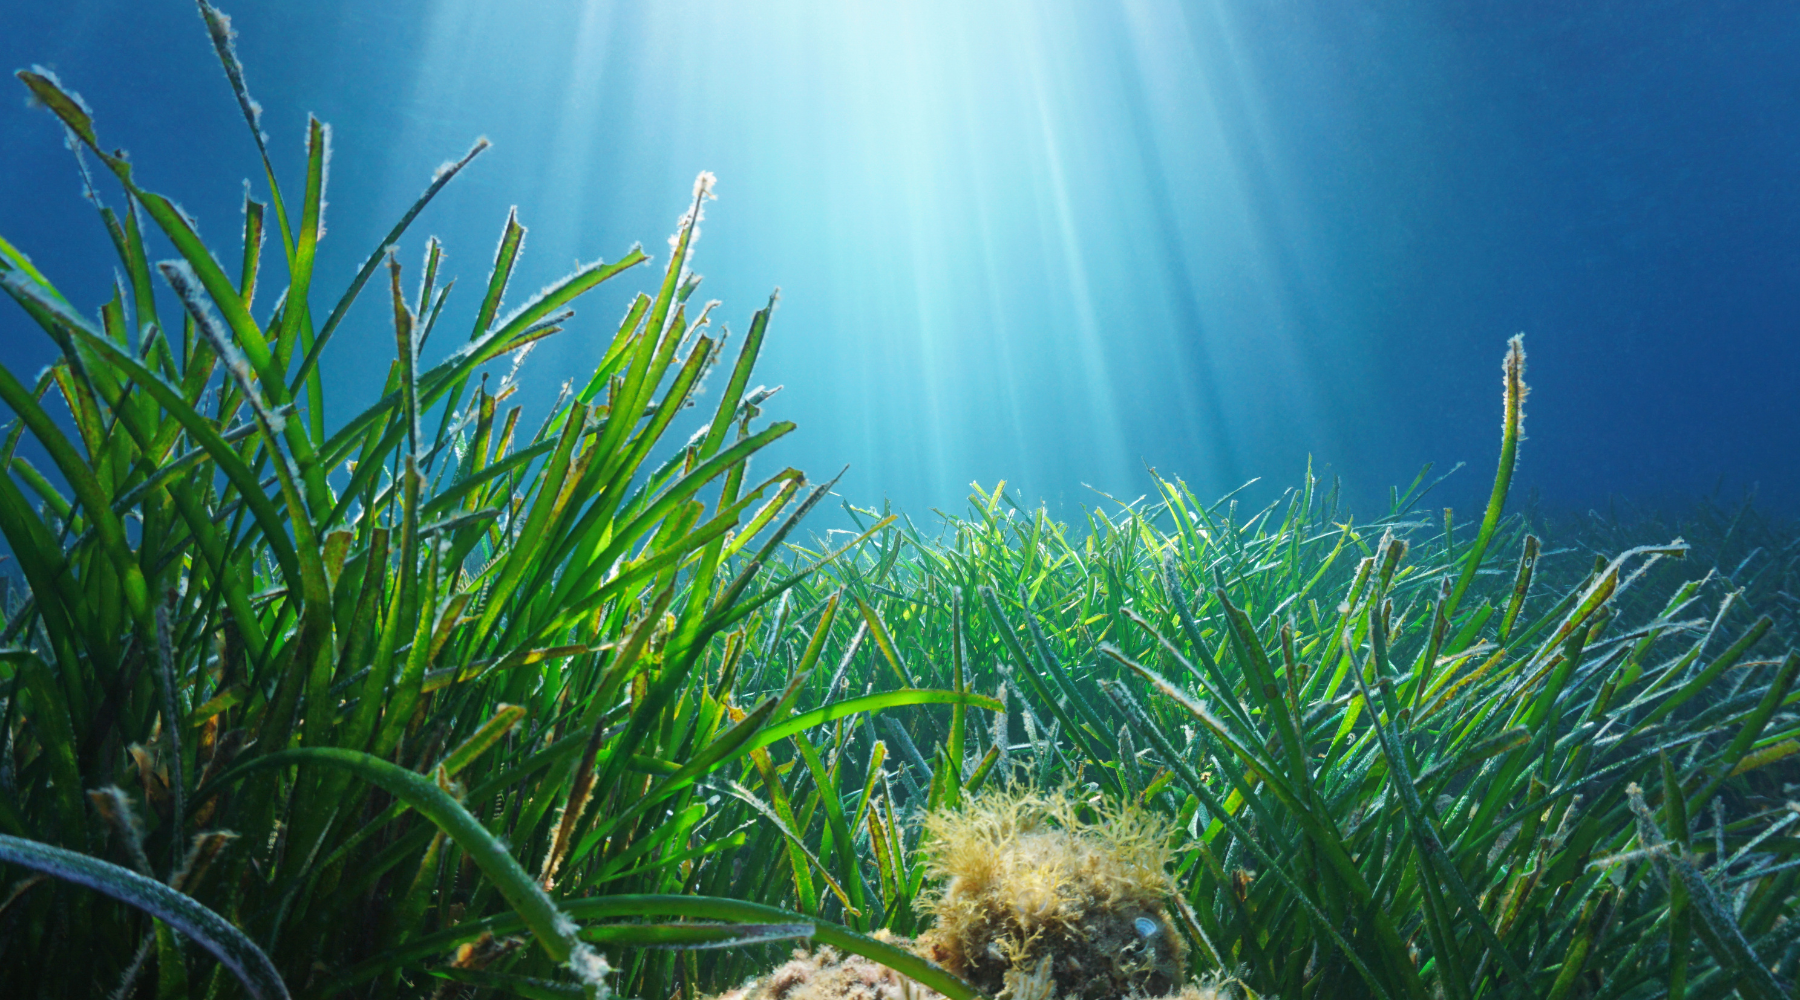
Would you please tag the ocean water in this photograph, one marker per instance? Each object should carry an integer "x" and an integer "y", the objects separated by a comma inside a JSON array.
[{"x": 1048, "y": 243}]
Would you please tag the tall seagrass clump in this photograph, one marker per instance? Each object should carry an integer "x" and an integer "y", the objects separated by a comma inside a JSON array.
[{"x": 297, "y": 705}]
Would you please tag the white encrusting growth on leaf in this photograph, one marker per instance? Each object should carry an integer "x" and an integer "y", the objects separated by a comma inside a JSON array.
[
  {"x": 324, "y": 171},
  {"x": 1513, "y": 378},
  {"x": 32, "y": 100},
  {"x": 218, "y": 25},
  {"x": 588, "y": 965},
  {"x": 449, "y": 167},
  {"x": 691, "y": 219}
]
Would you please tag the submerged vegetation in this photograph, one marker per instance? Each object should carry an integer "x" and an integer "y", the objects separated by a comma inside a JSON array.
[{"x": 417, "y": 701}]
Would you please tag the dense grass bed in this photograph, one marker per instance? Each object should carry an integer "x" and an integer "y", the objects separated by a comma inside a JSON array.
[{"x": 421, "y": 700}]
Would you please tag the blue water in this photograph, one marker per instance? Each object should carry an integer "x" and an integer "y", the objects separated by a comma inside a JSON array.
[{"x": 1050, "y": 243}]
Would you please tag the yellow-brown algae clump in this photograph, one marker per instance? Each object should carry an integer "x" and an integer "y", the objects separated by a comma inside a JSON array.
[
  {"x": 1034, "y": 902},
  {"x": 826, "y": 974}
]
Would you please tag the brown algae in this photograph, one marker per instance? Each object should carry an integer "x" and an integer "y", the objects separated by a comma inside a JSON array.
[{"x": 1034, "y": 901}]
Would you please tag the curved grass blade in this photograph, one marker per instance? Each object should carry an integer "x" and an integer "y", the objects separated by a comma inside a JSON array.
[
  {"x": 837, "y": 936},
  {"x": 180, "y": 911},
  {"x": 554, "y": 932},
  {"x": 871, "y": 703},
  {"x": 695, "y": 937}
]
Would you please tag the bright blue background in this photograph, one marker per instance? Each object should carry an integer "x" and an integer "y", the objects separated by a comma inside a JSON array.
[{"x": 1050, "y": 242}]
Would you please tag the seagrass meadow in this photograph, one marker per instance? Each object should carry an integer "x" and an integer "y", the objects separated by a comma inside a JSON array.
[{"x": 423, "y": 700}]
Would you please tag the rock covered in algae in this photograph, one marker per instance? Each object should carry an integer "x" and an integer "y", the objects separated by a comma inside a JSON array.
[{"x": 1036, "y": 902}]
